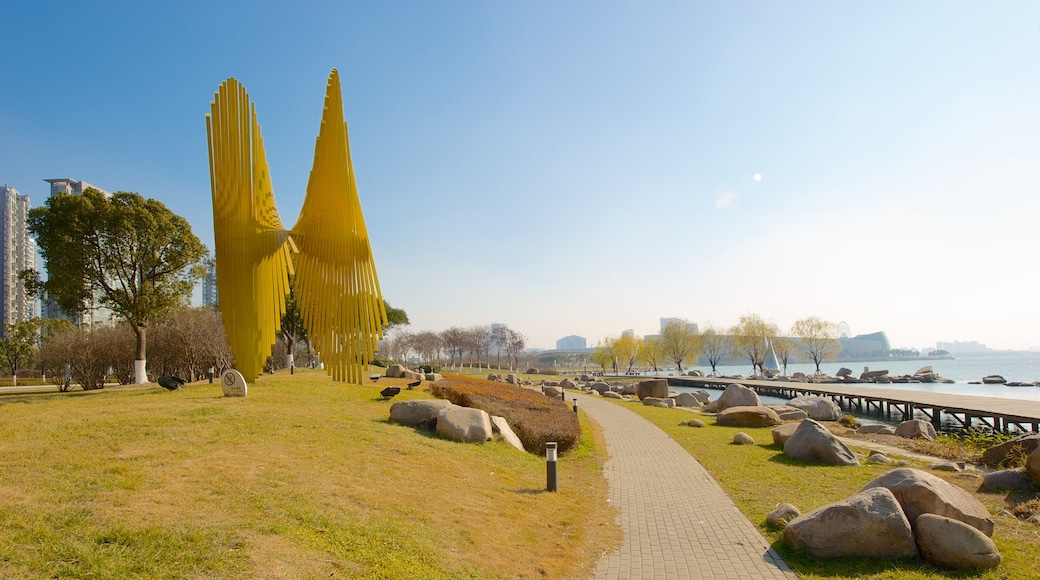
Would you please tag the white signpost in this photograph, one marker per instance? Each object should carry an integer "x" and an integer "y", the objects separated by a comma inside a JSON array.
[{"x": 233, "y": 384}]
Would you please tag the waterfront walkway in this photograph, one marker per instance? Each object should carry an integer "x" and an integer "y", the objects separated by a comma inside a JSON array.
[{"x": 677, "y": 521}]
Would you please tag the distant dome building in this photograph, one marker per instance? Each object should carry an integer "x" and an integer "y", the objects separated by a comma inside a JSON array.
[{"x": 873, "y": 344}]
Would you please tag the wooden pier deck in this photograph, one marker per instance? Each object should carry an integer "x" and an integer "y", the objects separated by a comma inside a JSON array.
[{"x": 996, "y": 413}]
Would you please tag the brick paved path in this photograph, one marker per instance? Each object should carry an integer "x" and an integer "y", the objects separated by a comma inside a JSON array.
[{"x": 677, "y": 521}]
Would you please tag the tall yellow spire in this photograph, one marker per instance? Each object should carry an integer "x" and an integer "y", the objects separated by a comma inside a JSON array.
[{"x": 336, "y": 283}]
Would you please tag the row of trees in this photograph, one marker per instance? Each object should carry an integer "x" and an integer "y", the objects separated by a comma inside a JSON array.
[
  {"x": 187, "y": 342},
  {"x": 752, "y": 338},
  {"x": 457, "y": 346}
]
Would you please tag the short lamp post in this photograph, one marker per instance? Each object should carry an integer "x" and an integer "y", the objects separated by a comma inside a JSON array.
[
  {"x": 575, "y": 405},
  {"x": 550, "y": 466}
]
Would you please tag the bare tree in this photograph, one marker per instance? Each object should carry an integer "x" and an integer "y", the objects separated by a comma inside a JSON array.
[
  {"x": 515, "y": 347},
  {"x": 453, "y": 342},
  {"x": 717, "y": 346},
  {"x": 818, "y": 339},
  {"x": 783, "y": 348}
]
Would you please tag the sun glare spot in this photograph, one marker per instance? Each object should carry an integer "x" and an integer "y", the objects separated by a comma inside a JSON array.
[{"x": 758, "y": 177}]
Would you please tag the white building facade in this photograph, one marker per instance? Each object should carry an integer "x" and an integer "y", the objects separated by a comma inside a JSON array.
[{"x": 19, "y": 253}]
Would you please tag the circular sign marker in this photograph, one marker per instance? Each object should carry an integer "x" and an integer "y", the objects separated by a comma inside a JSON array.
[{"x": 233, "y": 384}]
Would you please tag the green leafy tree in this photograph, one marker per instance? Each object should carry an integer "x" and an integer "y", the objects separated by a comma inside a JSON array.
[
  {"x": 818, "y": 339},
  {"x": 130, "y": 254},
  {"x": 626, "y": 349},
  {"x": 18, "y": 344},
  {"x": 651, "y": 352},
  {"x": 751, "y": 336},
  {"x": 603, "y": 354},
  {"x": 680, "y": 343},
  {"x": 395, "y": 316}
]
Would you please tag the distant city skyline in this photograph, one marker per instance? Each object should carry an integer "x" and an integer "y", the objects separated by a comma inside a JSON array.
[{"x": 584, "y": 169}]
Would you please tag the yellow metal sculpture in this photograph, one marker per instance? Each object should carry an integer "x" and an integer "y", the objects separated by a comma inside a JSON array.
[{"x": 336, "y": 285}]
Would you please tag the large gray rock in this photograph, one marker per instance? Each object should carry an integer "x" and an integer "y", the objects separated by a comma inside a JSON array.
[
  {"x": 787, "y": 413},
  {"x": 434, "y": 377},
  {"x": 656, "y": 388},
  {"x": 817, "y": 408},
  {"x": 666, "y": 402},
  {"x": 948, "y": 543},
  {"x": 687, "y": 400},
  {"x": 735, "y": 395},
  {"x": 1033, "y": 464},
  {"x": 395, "y": 371},
  {"x": 464, "y": 424},
  {"x": 783, "y": 432},
  {"x": 916, "y": 428},
  {"x": 741, "y": 438},
  {"x": 884, "y": 429},
  {"x": 630, "y": 389},
  {"x": 600, "y": 387},
  {"x": 869, "y": 524},
  {"x": 568, "y": 384},
  {"x": 1022, "y": 445},
  {"x": 415, "y": 413},
  {"x": 748, "y": 417},
  {"x": 1007, "y": 480},
  {"x": 920, "y": 492},
  {"x": 413, "y": 375},
  {"x": 702, "y": 395},
  {"x": 556, "y": 392},
  {"x": 813, "y": 442},
  {"x": 612, "y": 395},
  {"x": 501, "y": 426}
]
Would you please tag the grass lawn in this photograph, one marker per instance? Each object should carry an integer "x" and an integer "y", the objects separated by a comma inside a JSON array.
[
  {"x": 304, "y": 478},
  {"x": 759, "y": 477}
]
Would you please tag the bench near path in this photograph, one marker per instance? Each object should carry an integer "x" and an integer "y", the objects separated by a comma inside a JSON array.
[{"x": 677, "y": 520}]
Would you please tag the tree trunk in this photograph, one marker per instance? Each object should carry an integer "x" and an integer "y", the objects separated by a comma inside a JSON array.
[{"x": 140, "y": 363}]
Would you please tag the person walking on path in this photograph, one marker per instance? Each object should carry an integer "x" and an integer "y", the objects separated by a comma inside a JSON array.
[{"x": 677, "y": 520}]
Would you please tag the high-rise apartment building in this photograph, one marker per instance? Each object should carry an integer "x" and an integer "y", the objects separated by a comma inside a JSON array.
[
  {"x": 209, "y": 285},
  {"x": 94, "y": 315},
  {"x": 19, "y": 253}
]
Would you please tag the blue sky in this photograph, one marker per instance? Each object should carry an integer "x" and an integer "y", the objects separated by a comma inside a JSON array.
[{"x": 589, "y": 167}]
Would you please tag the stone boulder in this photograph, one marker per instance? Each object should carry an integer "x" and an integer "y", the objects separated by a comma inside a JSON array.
[
  {"x": 568, "y": 384},
  {"x": 695, "y": 373},
  {"x": 783, "y": 514},
  {"x": 395, "y": 371},
  {"x": 817, "y": 408},
  {"x": 1033, "y": 464},
  {"x": 687, "y": 400},
  {"x": 879, "y": 458},
  {"x": 413, "y": 375},
  {"x": 783, "y": 432},
  {"x": 629, "y": 389},
  {"x": 532, "y": 371},
  {"x": 735, "y": 395},
  {"x": 813, "y": 442},
  {"x": 1006, "y": 480},
  {"x": 553, "y": 392},
  {"x": 702, "y": 395},
  {"x": 948, "y": 543},
  {"x": 501, "y": 426},
  {"x": 512, "y": 379},
  {"x": 869, "y": 524},
  {"x": 993, "y": 380},
  {"x": 696, "y": 423},
  {"x": 748, "y": 417},
  {"x": 872, "y": 375},
  {"x": 464, "y": 424},
  {"x": 657, "y": 388},
  {"x": 600, "y": 387},
  {"x": 1023, "y": 444},
  {"x": 612, "y": 395},
  {"x": 916, "y": 428},
  {"x": 920, "y": 492},
  {"x": 492, "y": 377},
  {"x": 433, "y": 377},
  {"x": 418, "y": 412},
  {"x": 741, "y": 438},
  {"x": 843, "y": 372},
  {"x": 666, "y": 402},
  {"x": 787, "y": 413}
]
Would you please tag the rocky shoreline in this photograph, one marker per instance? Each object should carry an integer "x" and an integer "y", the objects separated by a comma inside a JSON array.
[{"x": 845, "y": 376}]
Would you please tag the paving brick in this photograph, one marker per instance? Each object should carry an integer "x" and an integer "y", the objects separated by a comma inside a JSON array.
[{"x": 677, "y": 520}]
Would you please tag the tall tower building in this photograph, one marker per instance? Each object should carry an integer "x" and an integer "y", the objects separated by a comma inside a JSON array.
[
  {"x": 209, "y": 285},
  {"x": 19, "y": 253},
  {"x": 94, "y": 315}
]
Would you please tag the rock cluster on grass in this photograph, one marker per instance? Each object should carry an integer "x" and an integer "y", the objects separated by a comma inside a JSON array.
[
  {"x": 666, "y": 402},
  {"x": 403, "y": 372},
  {"x": 656, "y": 388},
  {"x": 453, "y": 421},
  {"x": 902, "y": 513}
]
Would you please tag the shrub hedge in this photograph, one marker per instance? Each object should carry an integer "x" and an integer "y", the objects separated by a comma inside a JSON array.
[{"x": 534, "y": 417}]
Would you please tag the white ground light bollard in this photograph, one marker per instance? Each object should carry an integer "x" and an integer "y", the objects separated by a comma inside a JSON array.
[{"x": 550, "y": 466}]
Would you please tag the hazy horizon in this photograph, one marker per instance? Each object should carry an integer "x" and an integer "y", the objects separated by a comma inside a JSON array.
[{"x": 585, "y": 169}]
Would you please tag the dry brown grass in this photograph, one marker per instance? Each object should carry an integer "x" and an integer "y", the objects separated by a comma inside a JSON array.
[{"x": 303, "y": 478}]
